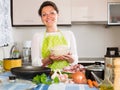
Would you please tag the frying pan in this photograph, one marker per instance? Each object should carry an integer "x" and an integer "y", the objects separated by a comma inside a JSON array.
[{"x": 28, "y": 72}]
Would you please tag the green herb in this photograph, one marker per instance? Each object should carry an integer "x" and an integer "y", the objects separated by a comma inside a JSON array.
[
  {"x": 44, "y": 79},
  {"x": 56, "y": 80}
]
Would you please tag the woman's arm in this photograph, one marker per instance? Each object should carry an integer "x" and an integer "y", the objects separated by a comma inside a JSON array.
[
  {"x": 35, "y": 49},
  {"x": 72, "y": 44},
  {"x": 74, "y": 48}
]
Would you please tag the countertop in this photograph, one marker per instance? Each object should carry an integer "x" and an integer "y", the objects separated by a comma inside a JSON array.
[
  {"x": 89, "y": 61},
  {"x": 20, "y": 84}
]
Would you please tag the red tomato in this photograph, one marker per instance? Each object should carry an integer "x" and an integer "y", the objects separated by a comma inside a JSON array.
[{"x": 79, "y": 77}]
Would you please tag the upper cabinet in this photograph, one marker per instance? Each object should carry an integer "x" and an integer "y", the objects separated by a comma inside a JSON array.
[
  {"x": 89, "y": 10},
  {"x": 114, "y": 13},
  {"x": 113, "y": 0},
  {"x": 25, "y": 12}
]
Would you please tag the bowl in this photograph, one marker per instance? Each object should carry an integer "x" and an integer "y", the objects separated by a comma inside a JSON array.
[
  {"x": 60, "y": 50},
  {"x": 28, "y": 72}
]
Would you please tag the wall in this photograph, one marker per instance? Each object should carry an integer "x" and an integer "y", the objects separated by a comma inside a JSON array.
[{"x": 92, "y": 39}]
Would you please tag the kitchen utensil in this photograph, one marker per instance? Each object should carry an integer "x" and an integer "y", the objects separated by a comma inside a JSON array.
[
  {"x": 28, "y": 72},
  {"x": 97, "y": 68},
  {"x": 112, "y": 55},
  {"x": 9, "y": 63},
  {"x": 97, "y": 79}
]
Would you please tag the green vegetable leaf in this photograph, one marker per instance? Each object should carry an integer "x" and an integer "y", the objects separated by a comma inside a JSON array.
[
  {"x": 56, "y": 80},
  {"x": 36, "y": 79},
  {"x": 43, "y": 78}
]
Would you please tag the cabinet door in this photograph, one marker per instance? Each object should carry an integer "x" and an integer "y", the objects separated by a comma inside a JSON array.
[
  {"x": 89, "y": 10},
  {"x": 64, "y": 7},
  {"x": 25, "y": 12},
  {"x": 113, "y": 13},
  {"x": 113, "y": 0}
]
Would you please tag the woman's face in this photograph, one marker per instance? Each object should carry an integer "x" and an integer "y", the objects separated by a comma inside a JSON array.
[{"x": 49, "y": 16}]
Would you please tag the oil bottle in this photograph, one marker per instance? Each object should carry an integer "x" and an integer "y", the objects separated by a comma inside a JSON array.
[{"x": 106, "y": 84}]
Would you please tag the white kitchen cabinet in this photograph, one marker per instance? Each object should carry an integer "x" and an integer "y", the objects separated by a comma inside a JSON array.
[
  {"x": 25, "y": 12},
  {"x": 113, "y": 13},
  {"x": 89, "y": 10},
  {"x": 113, "y": 0}
]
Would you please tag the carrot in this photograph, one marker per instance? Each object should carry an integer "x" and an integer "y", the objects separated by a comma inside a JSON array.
[
  {"x": 90, "y": 83},
  {"x": 95, "y": 83}
]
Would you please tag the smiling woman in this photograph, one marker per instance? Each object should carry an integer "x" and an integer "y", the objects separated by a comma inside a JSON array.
[{"x": 52, "y": 37}]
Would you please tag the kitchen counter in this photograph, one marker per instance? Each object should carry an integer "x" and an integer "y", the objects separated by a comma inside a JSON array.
[
  {"x": 20, "y": 84},
  {"x": 90, "y": 61}
]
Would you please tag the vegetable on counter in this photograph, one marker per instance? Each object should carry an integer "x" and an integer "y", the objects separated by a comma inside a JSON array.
[
  {"x": 44, "y": 79},
  {"x": 95, "y": 84},
  {"x": 79, "y": 77},
  {"x": 62, "y": 77},
  {"x": 92, "y": 83}
]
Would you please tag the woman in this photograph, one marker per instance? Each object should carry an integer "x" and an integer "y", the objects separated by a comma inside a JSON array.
[{"x": 42, "y": 42}]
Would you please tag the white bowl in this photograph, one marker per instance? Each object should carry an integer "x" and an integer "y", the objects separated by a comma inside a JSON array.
[{"x": 60, "y": 50}]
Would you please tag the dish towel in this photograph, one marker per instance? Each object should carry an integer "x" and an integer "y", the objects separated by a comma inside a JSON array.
[
  {"x": 19, "y": 84},
  {"x": 63, "y": 86},
  {"x": 5, "y": 25}
]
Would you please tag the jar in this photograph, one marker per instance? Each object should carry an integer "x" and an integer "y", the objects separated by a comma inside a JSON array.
[
  {"x": 27, "y": 52},
  {"x": 117, "y": 74},
  {"x": 111, "y": 56}
]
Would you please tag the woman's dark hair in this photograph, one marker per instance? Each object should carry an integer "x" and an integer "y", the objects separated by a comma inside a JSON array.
[{"x": 47, "y": 3}]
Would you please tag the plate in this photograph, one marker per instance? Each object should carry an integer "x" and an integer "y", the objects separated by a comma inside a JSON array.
[{"x": 28, "y": 72}]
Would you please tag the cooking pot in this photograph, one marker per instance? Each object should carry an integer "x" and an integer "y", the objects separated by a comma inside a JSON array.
[
  {"x": 28, "y": 72},
  {"x": 9, "y": 63},
  {"x": 97, "y": 68}
]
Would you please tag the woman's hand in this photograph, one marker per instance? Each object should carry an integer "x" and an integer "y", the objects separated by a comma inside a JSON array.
[
  {"x": 46, "y": 61},
  {"x": 67, "y": 57}
]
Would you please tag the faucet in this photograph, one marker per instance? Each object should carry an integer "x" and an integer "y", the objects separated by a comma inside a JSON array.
[{"x": 14, "y": 52}]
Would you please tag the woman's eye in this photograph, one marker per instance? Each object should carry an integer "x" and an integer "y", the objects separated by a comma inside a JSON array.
[
  {"x": 52, "y": 13},
  {"x": 44, "y": 14}
]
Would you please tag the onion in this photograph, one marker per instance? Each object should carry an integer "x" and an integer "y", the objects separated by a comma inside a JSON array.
[{"x": 79, "y": 77}]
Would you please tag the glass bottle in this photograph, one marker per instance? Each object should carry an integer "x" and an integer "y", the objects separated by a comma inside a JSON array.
[
  {"x": 27, "y": 52},
  {"x": 106, "y": 84}
]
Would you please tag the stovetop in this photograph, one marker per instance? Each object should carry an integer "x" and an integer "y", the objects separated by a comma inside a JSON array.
[{"x": 90, "y": 61}]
